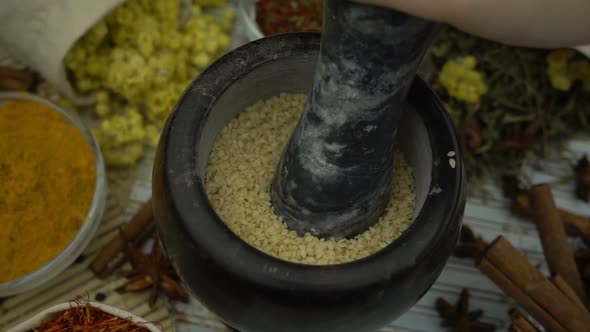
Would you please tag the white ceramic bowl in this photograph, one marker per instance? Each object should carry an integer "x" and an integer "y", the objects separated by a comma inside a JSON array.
[
  {"x": 93, "y": 218},
  {"x": 36, "y": 320}
]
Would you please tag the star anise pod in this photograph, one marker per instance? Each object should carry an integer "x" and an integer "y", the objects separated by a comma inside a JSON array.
[
  {"x": 582, "y": 176},
  {"x": 153, "y": 271},
  {"x": 470, "y": 246},
  {"x": 458, "y": 318}
]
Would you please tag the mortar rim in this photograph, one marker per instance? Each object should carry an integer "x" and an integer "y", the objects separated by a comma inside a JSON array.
[{"x": 239, "y": 257}]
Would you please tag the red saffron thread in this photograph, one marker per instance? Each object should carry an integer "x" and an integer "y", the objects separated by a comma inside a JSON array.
[{"x": 86, "y": 318}]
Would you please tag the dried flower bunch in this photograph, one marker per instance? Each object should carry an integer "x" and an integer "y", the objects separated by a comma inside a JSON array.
[{"x": 138, "y": 60}]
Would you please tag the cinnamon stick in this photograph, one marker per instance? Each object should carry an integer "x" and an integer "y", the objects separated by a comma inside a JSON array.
[
  {"x": 518, "y": 278},
  {"x": 12, "y": 84},
  {"x": 563, "y": 286},
  {"x": 117, "y": 262},
  {"x": 513, "y": 291},
  {"x": 575, "y": 225},
  {"x": 138, "y": 225},
  {"x": 557, "y": 250},
  {"x": 16, "y": 79},
  {"x": 522, "y": 324}
]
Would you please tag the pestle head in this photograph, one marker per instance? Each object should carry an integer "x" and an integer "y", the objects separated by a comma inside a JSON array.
[{"x": 334, "y": 177}]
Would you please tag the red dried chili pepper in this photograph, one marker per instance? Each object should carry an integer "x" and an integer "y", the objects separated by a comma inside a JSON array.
[{"x": 275, "y": 17}]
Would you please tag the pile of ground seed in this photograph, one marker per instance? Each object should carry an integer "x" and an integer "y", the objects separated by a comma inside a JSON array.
[{"x": 240, "y": 173}]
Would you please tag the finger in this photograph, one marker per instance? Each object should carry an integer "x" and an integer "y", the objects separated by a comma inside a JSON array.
[
  {"x": 531, "y": 23},
  {"x": 435, "y": 10}
]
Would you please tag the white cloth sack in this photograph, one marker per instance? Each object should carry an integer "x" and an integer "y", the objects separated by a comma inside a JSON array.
[
  {"x": 584, "y": 50},
  {"x": 39, "y": 33}
]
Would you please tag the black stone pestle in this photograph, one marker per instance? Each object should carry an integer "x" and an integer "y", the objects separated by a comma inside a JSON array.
[{"x": 334, "y": 177}]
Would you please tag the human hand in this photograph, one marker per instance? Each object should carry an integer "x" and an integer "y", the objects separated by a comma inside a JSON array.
[{"x": 531, "y": 23}]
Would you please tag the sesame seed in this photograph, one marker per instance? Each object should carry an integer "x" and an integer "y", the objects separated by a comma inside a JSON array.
[{"x": 239, "y": 176}]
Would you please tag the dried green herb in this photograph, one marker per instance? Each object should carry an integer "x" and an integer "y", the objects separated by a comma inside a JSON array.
[{"x": 520, "y": 114}]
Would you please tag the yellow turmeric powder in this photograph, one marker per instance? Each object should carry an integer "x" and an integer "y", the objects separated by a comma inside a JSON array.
[{"x": 47, "y": 179}]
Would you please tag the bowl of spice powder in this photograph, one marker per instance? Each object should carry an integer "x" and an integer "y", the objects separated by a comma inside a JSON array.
[{"x": 53, "y": 190}]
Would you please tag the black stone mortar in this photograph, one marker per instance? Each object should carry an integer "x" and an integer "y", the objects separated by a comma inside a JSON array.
[{"x": 254, "y": 292}]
